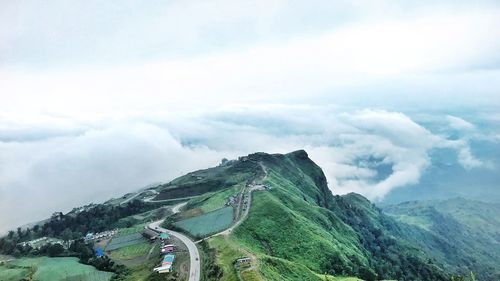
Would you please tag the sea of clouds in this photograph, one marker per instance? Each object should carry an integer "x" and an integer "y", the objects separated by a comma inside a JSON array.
[{"x": 56, "y": 163}]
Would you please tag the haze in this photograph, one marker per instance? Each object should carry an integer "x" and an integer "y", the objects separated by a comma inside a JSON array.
[{"x": 102, "y": 98}]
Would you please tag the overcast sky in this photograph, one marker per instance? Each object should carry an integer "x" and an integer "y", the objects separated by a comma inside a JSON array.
[{"x": 98, "y": 98}]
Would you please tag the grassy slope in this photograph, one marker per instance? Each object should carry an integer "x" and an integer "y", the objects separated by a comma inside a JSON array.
[
  {"x": 466, "y": 233},
  {"x": 299, "y": 224},
  {"x": 208, "y": 180}
]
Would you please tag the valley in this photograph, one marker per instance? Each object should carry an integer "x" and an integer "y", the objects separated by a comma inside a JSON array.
[{"x": 264, "y": 217}]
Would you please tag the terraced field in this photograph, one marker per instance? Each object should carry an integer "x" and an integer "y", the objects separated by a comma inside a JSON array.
[{"x": 208, "y": 223}]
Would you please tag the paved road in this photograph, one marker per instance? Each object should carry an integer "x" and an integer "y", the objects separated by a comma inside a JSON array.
[
  {"x": 131, "y": 197},
  {"x": 194, "y": 255},
  {"x": 178, "y": 207},
  {"x": 252, "y": 188}
]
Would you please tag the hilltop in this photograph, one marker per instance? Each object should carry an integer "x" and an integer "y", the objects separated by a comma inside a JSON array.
[{"x": 273, "y": 217}]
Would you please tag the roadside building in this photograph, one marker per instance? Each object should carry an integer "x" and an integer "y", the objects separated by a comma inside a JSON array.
[
  {"x": 150, "y": 234},
  {"x": 166, "y": 264},
  {"x": 167, "y": 249},
  {"x": 164, "y": 236}
]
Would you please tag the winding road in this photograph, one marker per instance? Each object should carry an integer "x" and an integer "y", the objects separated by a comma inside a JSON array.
[{"x": 194, "y": 255}]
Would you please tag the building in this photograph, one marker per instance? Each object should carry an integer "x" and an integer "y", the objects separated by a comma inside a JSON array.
[
  {"x": 243, "y": 262},
  {"x": 100, "y": 235},
  {"x": 149, "y": 234},
  {"x": 167, "y": 249},
  {"x": 99, "y": 252},
  {"x": 166, "y": 264},
  {"x": 164, "y": 236}
]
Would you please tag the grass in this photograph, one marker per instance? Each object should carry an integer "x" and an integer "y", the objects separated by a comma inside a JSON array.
[
  {"x": 208, "y": 180},
  {"x": 333, "y": 278},
  {"x": 130, "y": 230},
  {"x": 227, "y": 253},
  {"x": 281, "y": 269},
  {"x": 213, "y": 201},
  {"x": 273, "y": 224},
  {"x": 131, "y": 251},
  {"x": 51, "y": 269},
  {"x": 208, "y": 223},
  {"x": 125, "y": 241}
]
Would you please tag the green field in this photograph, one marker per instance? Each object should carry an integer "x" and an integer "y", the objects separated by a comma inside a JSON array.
[
  {"x": 125, "y": 241},
  {"x": 208, "y": 223},
  {"x": 227, "y": 253},
  {"x": 129, "y": 230},
  {"x": 213, "y": 201},
  {"x": 131, "y": 251},
  {"x": 51, "y": 269}
]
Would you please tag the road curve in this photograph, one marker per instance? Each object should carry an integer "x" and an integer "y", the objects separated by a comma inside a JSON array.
[{"x": 194, "y": 255}]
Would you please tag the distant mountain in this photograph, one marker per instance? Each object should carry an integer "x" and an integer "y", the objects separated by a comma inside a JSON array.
[{"x": 462, "y": 234}]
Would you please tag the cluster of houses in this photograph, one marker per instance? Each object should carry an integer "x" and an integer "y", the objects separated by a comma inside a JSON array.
[
  {"x": 168, "y": 251},
  {"x": 100, "y": 235},
  {"x": 38, "y": 243}
]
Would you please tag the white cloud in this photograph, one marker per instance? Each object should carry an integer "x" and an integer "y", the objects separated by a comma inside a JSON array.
[
  {"x": 458, "y": 123},
  {"x": 111, "y": 156},
  {"x": 337, "y": 62},
  {"x": 62, "y": 172}
]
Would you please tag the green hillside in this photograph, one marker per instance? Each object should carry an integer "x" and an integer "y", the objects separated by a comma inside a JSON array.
[
  {"x": 278, "y": 211},
  {"x": 463, "y": 234},
  {"x": 300, "y": 221}
]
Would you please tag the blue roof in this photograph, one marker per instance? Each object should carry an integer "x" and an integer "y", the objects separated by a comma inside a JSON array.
[
  {"x": 99, "y": 252},
  {"x": 168, "y": 258}
]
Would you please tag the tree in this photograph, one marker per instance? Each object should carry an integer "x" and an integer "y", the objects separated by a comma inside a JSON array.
[
  {"x": 66, "y": 235},
  {"x": 55, "y": 250}
]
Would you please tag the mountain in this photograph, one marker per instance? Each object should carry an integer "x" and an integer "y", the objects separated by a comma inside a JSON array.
[
  {"x": 277, "y": 214},
  {"x": 463, "y": 234},
  {"x": 298, "y": 229}
]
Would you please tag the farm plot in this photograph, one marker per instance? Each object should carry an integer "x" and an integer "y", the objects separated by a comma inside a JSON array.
[
  {"x": 132, "y": 251},
  {"x": 51, "y": 269},
  {"x": 208, "y": 223},
  {"x": 124, "y": 241}
]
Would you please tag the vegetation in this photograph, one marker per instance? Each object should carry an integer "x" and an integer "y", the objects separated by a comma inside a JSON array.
[
  {"x": 300, "y": 223},
  {"x": 228, "y": 251},
  {"x": 131, "y": 251},
  {"x": 208, "y": 223},
  {"x": 210, "y": 270},
  {"x": 208, "y": 180},
  {"x": 461, "y": 234},
  {"x": 72, "y": 226},
  {"x": 125, "y": 241},
  {"x": 296, "y": 230},
  {"x": 213, "y": 201},
  {"x": 50, "y": 269}
]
